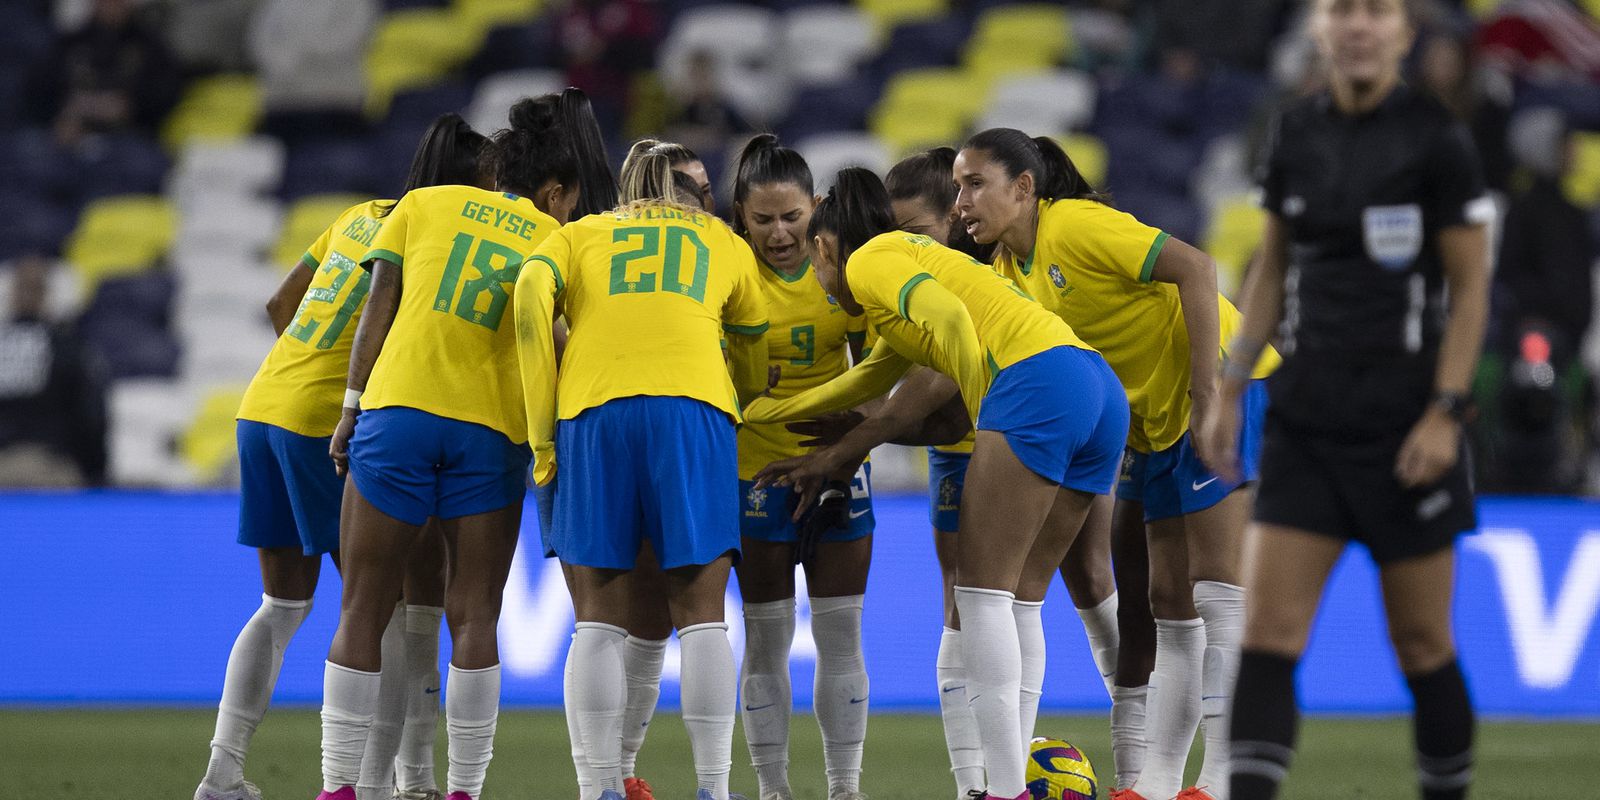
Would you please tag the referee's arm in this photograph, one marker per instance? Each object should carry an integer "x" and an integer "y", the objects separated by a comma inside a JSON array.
[{"x": 1261, "y": 304}]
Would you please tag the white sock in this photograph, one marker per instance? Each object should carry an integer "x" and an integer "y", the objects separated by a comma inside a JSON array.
[
  {"x": 764, "y": 687},
  {"x": 1221, "y": 605},
  {"x": 600, "y": 695},
  {"x": 413, "y": 765},
  {"x": 641, "y": 663},
  {"x": 841, "y": 689},
  {"x": 580, "y": 761},
  {"x": 1030, "y": 638},
  {"x": 960, "y": 727},
  {"x": 383, "y": 738},
  {"x": 1173, "y": 706},
  {"x": 1127, "y": 732},
  {"x": 1100, "y": 625},
  {"x": 709, "y": 699},
  {"x": 471, "y": 712},
  {"x": 993, "y": 656},
  {"x": 349, "y": 702},
  {"x": 247, "y": 685}
]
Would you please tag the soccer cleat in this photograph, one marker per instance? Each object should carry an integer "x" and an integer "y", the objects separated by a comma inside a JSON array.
[
  {"x": 1125, "y": 794},
  {"x": 344, "y": 793},
  {"x": 244, "y": 791},
  {"x": 847, "y": 795},
  {"x": 979, "y": 794},
  {"x": 637, "y": 789},
  {"x": 1194, "y": 793},
  {"x": 705, "y": 794},
  {"x": 425, "y": 794},
  {"x": 777, "y": 794},
  {"x": 465, "y": 796}
]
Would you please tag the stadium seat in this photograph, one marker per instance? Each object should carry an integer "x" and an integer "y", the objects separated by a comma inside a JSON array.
[
  {"x": 414, "y": 109},
  {"x": 305, "y": 220},
  {"x": 829, "y": 153},
  {"x": 752, "y": 72},
  {"x": 822, "y": 109},
  {"x": 244, "y": 166},
  {"x": 1042, "y": 103},
  {"x": 1020, "y": 34},
  {"x": 486, "y": 14},
  {"x": 121, "y": 235},
  {"x": 927, "y": 107},
  {"x": 129, "y": 321},
  {"x": 209, "y": 442},
  {"x": 146, "y": 416},
  {"x": 416, "y": 47},
  {"x": 1582, "y": 183},
  {"x": 496, "y": 93},
  {"x": 928, "y": 43},
  {"x": 1232, "y": 238},
  {"x": 826, "y": 43},
  {"x": 33, "y": 223},
  {"x": 247, "y": 222},
  {"x": 218, "y": 107},
  {"x": 889, "y": 13},
  {"x": 333, "y": 165},
  {"x": 1170, "y": 211},
  {"x": 1088, "y": 154},
  {"x": 63, "y": 295},
  {"x": 528, "y": 45},
  {"x": 118, "y": 164}
]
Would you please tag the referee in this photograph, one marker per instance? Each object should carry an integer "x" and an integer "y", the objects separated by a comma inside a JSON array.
[{"x": 1376, "y": 215}]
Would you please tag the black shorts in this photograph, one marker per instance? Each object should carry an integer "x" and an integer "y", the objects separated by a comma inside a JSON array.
[{"x": 1347, "y": 490}]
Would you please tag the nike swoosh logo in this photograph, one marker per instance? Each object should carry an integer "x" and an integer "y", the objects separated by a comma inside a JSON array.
[
  {"x": 758, "y": 708},
  {"x": 856, "y": 701},
  {"x": 430, "y": 691},
  {"x": 955, "y": 688},
  {"x": 1198, "y": 485},
  {"x": 859, "y": 514}
]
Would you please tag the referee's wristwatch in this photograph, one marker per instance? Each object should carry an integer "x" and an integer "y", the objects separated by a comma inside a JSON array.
[{"x": 1456, "y": 405}]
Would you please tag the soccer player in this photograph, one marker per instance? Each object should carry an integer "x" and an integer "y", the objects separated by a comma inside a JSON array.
[
  {"x": 811, "y": 340},
  {"x": 683, "y": 160},
  {"x": 1149, "y": 304},
  {"x": 289, "y": 493},
  {"x": 1375, "y": 214},
  {"x": 645, "y": 444},
  {"x": 441, "y": 429},
  {"x": 1051, "y": 423}
]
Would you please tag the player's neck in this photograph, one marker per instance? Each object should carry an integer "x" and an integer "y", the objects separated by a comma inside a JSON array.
[
  {"x": 1354, "y": 98},
  {"x": 1019, "y": 239}
]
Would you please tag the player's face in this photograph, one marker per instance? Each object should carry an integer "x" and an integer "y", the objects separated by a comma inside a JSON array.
[
  {"x": 697, "y": 171},
  {"x": 915, "y": 216},
  {"x": 776, "y": 215},
  {"x": 987, "y": 201},
  {"x": 830, "y": 273},
  {"x": 1363, "y": 41}
]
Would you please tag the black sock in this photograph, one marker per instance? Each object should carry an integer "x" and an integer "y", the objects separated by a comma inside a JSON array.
[
  {"x": 1264, "y": 721},
  {"x": 1443, "y": 726}
]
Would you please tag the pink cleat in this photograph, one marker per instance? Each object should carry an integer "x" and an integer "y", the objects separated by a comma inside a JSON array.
[
  {"x": 458, "y": 796},
  {"x": 344, "y": 793}
]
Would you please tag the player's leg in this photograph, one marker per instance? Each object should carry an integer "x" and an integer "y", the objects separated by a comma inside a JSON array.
[
  {"x": 766, "y": 585},
  {"x": 1049, "y": 551},
  {"x": 598, "y": 691},
  {"x": 1216, "y": 536},
  {"x": 649, "y": 628},
  {"x": 1173, "y": 703},
  {"x": 1417, "y": 597},
  {"x": 947, "y": 474},
  {"x": 837, "y": 581},
  {"x": 424, "y": 596},
  {"x": 1086, "y": 572},
  {"x": 709, "y": 686},
  {"x": 1136, "y": 639}
]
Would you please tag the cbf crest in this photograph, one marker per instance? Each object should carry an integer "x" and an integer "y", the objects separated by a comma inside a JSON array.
[
  {"x": 1057, "y": 278},
  {"x": 949, "y": 492},
  {"x": 756, "y": 499}
]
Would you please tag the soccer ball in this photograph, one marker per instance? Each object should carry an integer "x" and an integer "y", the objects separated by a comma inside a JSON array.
[{"x": 1059, "y": 771}]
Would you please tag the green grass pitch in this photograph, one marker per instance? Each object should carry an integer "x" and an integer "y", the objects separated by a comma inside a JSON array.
[{"x": 160, "y": 755}]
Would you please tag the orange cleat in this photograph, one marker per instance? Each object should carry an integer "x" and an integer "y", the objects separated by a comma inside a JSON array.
[
  {"x": 1125, "y": 794},
  {"x": 637, "y": 789},
  {"x": 1194, "y": 793}
]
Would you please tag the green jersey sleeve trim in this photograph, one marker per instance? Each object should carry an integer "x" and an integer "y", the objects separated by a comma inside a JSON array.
[
  {"x": 387, "y": 255},
  {"x": 561, "y": 285},
  {"x": 905, "y": 291},
  {"x": 1150, "y": 257},
  {"x": 746, "y": 330},
  {"x": 310, "y": 260}
]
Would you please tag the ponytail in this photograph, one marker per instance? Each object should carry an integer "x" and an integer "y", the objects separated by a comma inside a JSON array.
[
  {"x": 447, "y": 155},
  {"x": 597, "y": 189},
  {"x": 762, "y": 161},
  {"x": 1055, "y": 177},
  {"x": 554, "y": 137},
  {"x": 856, "y": 209},
  {"x": 646, "y": 177}
]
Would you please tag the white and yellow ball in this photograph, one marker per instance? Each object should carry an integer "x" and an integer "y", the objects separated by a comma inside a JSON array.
[{"x": 1059, "y": 771}]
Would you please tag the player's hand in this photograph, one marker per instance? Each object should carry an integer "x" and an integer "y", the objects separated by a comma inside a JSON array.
[
  {"x": 830, "y": 511},
  {"x": 774, "y": 374},
  {"x": 1429, "y": 451},
  {"x": 1215, "y": 434},
  {"x": 339, "y": 446},
  {"x": 826, "y": 429}
]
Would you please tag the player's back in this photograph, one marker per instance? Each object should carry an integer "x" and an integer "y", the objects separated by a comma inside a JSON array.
[{"x": 647, "y": 292}]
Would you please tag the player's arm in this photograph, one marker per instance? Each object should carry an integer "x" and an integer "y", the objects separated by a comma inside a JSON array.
[
  {"x": 873, "y": 377},
  {"x": 944, "y": 317},
  {"x": 1195, "y": 275},
  {"x": 383, "y": 300},
  {"x": 534, "y": 306},
  {"x": 286, "y": 299}
]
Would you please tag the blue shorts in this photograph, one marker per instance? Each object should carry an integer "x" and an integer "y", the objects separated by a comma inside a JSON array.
[
  {"x": 662, "y": 468},
  {"x": 1065, "y": 416},
  {"x": 947, "y": 476},
  {"x": 544, "y": 507},
  {"x": 288, "y": 491},
  {"x": 412, "y": 465},
  {"x": 764, "y": 513},
  {"x": 1173, "y": 482}
]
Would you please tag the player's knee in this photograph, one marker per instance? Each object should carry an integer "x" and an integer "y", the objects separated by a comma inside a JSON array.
[
  {"x": 1171, "y": 597},
  {"x": 1281, "y": 634},
  {"x": 1421, "y": 648}
]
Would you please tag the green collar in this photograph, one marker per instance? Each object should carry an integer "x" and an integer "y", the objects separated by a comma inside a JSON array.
[
  {"x": 1027, "y": 264},
  {"x": 804, "y": 268}
]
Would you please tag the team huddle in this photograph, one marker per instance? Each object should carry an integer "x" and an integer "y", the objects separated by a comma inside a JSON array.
[{"x": 688, "y": 398}]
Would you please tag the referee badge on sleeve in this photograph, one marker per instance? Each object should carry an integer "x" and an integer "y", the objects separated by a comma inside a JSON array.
[{"x": 1393, "y": 234}]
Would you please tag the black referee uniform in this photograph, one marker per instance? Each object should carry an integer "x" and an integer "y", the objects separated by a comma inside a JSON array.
[{"x": 1363, "y": 199}]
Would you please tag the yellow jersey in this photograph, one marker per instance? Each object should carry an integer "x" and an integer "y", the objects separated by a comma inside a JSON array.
[
  {"x": 1091, "y": 265},
  {"x": 809, "y": 341},
  {"x": 933, "y": 306},
  {"x": 451, "y": 352},
  {"x": 300, "y": 385}
]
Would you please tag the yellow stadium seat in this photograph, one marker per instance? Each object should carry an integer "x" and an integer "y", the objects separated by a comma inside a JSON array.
[
  {"x": 1088, "y": 154},
  {"x": 889, "y": 13},
  {"x": 218, "y": 107},
  {"x": 417, "y": 47},
  {"x": 305, "y": 221},
  {"x": 994, "y": 64},
  {"x": 1582, "y": 183},
  {"x": 1039, "y": 31},
  {"x": 1233, "y": 236},
  {"x": 926, "y": 107},
  {"x": 905, "y": 134},
  {"x": 209, "y": 444},
  {"x": 120, "y": 236},
  {"x": 487, "y": 14},
  {"x": 1482, "y": 8}
]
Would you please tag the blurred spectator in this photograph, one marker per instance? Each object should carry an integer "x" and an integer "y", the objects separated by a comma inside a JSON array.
[
  {"x": 705, "y": 120},
  {"x": 213, "y": 35},
  {"x": 52, "y": 394},
  {"x": 1543, "y": 40},
  {"x": 112, "y": 74},
  {"x": 309, "y": 55},
  {"x": 1480, "y": 98},
  {"x": 1236, "y": 33},
  {"x": 605, "y": 44}
]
